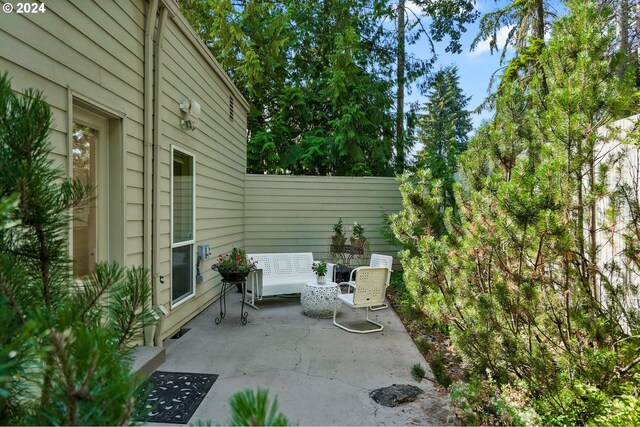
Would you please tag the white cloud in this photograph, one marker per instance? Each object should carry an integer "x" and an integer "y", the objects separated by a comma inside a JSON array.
[{"x": 483, "y": 46}]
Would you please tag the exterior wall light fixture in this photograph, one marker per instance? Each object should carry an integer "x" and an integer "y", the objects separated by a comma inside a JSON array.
[{"x": 190, "y": 114}]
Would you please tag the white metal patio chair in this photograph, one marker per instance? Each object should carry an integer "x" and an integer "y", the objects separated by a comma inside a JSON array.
[
  {"x": 370, "y": 286},
  {"x": 376, "y": 260}
]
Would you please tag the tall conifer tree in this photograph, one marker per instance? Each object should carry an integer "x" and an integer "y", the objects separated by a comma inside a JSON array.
[
  {"x": 516, "y": 276},
  {"x": 444, "y": 129}
]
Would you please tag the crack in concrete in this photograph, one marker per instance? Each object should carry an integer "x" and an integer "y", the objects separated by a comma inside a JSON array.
[
  {"x": 295, "y": 348},
  {"x": 340, "y": 380}
]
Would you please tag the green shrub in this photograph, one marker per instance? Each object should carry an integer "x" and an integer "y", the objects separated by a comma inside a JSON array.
[
  {"x": 580, "y": 403},
  {"x": 622, "y": 410},
  {"x": 423, "y": 345},
  {"x": 515, "y": 274},
  {"x": 249, "y": 408},
  {"x": 64, "y": 347},
  {"x": 575, "y": 404},
  {"x": 439, "y": 368},
  {"x": 417, "y": 372},
  {"x": 479, "y": 402}
]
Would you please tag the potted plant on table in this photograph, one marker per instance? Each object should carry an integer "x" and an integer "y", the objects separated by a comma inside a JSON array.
[
  {"x": 234, "y": 266},
  {"x": 357, "y": 235},
  {"x": 338, "y": 238},
  {"x": 320, "y": 268}
]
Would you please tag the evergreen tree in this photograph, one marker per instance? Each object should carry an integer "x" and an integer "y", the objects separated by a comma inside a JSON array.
[
  {"x": 443, "y": 131},
  {"x": 63, "y": 345},
  {"x": 319, "y": 76},
  {"x": 515, "y": 276},
  {"x": 524, "y": 19},
  {"x": 446, "y": 18},
  {"x": 311, "y": 72},
  {"x": 252, "y": 42}
]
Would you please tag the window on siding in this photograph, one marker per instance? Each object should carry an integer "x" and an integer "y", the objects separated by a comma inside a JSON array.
[
  {"x": 183, "y": 219},
  {"x": 85, "y": 239}
]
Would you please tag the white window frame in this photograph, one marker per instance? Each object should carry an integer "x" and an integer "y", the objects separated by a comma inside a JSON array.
[{"x": 192, "y": 242}]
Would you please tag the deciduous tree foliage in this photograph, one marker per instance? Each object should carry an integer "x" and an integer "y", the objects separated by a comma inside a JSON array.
[
  {"x": 63, "y": 345},
  {"x": 515, "y": 276}
]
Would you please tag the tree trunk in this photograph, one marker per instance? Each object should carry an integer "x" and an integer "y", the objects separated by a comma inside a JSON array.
[
  {"x": 400, "y": 145},
  {"x": 539, "y": 32},
  {"x": 622, "y": 32},
  {"x": 593, "y": 244},
  {"x": 540, "y": 19},
  {"x": 580, "y": 223},
  {"x": 637, "y": 25}
]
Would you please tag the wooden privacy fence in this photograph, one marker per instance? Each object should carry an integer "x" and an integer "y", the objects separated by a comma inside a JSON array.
[
  {"x": 284, "y": 213},
  {"x": 623, "y": 172}
]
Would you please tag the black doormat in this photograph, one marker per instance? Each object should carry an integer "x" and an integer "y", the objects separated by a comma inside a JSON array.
[{"x": 175, "y": 396}]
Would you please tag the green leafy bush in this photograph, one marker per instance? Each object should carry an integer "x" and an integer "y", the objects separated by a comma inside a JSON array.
[
  {"x": 623, "y": 409},
  {"x": 480, "y": 402},
  {"x": 423, "y": 345}
]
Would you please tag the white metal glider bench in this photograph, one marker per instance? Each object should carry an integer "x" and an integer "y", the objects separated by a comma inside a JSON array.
[
  {"x": 376, "y": 260},
  {"x": 370, "y": 286},
  {"x": 280, "y": 274}
]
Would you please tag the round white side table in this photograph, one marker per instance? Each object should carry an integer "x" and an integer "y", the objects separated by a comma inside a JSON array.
[{"x": 320, "y": 300}]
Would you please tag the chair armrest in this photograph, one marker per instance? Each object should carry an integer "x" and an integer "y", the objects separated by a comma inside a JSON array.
[{"x": 352, "y": 277}]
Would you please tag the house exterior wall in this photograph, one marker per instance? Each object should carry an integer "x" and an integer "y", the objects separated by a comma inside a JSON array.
[
  {"x": 219, "y": 148},
  {"x": 76, "y": 50},
  {"x": 92, "y": 54},
  {"x": 297, "y": 213}
]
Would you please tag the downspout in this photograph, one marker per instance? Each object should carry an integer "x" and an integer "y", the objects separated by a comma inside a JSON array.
[
  {"x": 157, "y": 78},
  {"x": 152, "y": 12}
]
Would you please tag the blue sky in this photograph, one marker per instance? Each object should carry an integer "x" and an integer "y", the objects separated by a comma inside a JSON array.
[{"x": 474, "y": 67}]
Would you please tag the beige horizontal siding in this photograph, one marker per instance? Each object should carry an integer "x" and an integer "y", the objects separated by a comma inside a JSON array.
[
  {"x": 96, "y": 49},
  {"x": 219, "y": 148},
  {"x": 297, "y": 213}
]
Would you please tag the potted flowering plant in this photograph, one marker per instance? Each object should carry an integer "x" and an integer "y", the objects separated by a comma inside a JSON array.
[
  {"x": 338, "y": 238},
  {"x": 234, "y": 266},
  {"x": 357, "y": 235},
  {"x": 320, "y": 268}
]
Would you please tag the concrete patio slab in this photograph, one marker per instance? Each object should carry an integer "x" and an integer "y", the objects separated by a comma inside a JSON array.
[{"x": 320, "y": 374}]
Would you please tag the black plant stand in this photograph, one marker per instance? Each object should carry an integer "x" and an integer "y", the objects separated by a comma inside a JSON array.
[
  {"x": 223, "y": 300},
  {"x": 346, "y": 254}
]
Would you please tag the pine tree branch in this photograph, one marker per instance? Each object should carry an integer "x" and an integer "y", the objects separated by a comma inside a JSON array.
[
  {"x": 59, "y": 343},
  {"x": 92, "y": 367},
  {"x": 11, "y": 298},
  {"x": 630, "y": 366}
]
